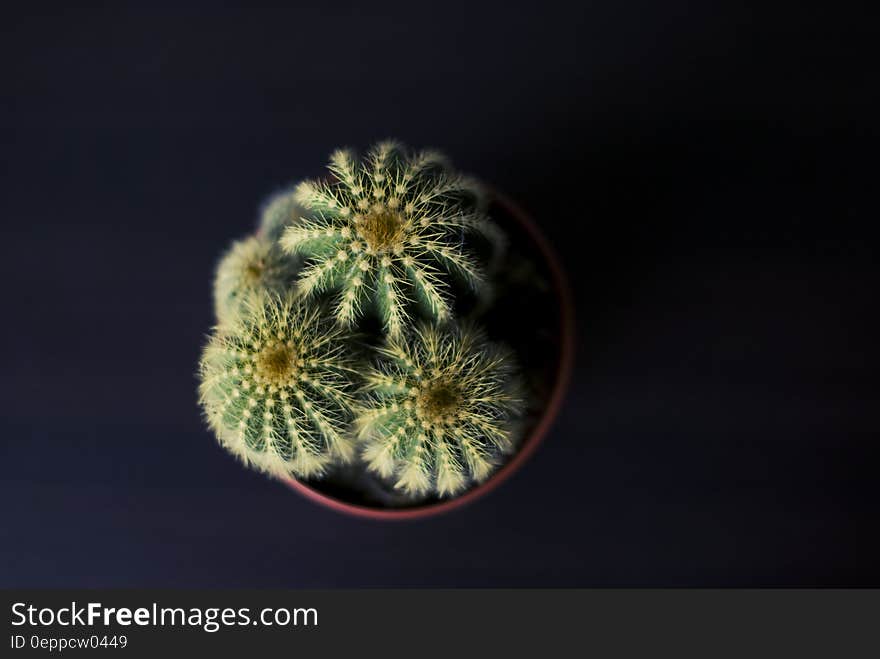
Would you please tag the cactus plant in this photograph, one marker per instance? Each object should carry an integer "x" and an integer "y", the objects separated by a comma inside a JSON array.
[
  {"x": 441, "y": 410},
  {"x": 276, "y": 388},
  {"x": 293, "y": 384},
  {"x": 250, "y": 268},
  {"x": 386, "y": 231}
]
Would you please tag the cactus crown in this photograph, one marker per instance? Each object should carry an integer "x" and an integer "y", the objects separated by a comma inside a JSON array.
[
  {"x": 439, "y": 410},
  {"x": 276, "y": 388},
  {"x": 382, "y": 232}
]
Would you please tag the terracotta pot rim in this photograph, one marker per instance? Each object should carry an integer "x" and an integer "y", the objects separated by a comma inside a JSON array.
[{"x": 538, "y": 433}]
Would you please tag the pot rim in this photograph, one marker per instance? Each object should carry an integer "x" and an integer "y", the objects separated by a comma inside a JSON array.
[{"x": 539, "y": 432}]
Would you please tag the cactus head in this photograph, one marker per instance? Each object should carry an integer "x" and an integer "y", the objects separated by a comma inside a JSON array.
[
  {"x": 442, "y": 408},
  {"x": 250, "y": 268},
  {"x": 386, "y": 231},
  {"x": 275, "y": 388}
]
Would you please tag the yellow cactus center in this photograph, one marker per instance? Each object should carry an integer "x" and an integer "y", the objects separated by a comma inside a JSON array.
[
  {"x": 439, "y": 401},
  {"x": 276, "y": 363},
  {"x": 382, "y": 229},
  {"x": 253, "y": 272}
]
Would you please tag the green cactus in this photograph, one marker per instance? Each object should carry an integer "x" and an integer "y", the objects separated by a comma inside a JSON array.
[
  {"x": 276, "y": 388},
  {"x": 386, "y": 231},
  {"x": 278, "y": 212},
  {"x": 251, "y": 267},
  {"x": 442, "y": 408}
]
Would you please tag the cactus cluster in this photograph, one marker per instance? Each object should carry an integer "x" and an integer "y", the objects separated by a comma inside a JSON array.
[{"x": 294, "y": 381}]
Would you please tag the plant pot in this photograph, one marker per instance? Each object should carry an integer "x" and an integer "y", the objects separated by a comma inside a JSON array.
[{"x": 533, "y": 314}]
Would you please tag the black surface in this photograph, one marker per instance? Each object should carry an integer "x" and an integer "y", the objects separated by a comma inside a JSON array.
[{"x": 706, "y": 171}]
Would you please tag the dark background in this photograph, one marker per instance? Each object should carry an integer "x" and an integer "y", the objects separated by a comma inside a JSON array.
[{"x": 707, "y": 172}]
